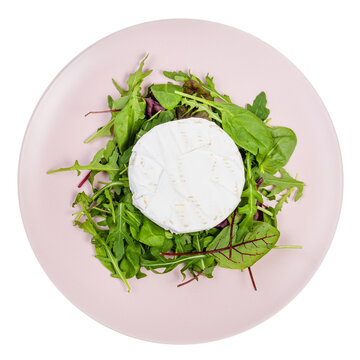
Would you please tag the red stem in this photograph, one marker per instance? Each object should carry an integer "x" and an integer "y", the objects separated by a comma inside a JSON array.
[
  {"x": 252, "y": 278},
  {"x": 192, "y": 279},
  {"x": 231, "y": 235},
  {"x": 102, "y": 111},
  {"x": 217, "y": 250},
  {"x": 84, "y": 179}
]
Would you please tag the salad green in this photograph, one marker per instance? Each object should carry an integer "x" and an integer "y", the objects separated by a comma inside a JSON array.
[{"x": 125, "y": 241}]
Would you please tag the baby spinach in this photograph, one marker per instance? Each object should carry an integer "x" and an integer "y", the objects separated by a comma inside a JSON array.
[
  {"x": 152, "y": 234},
  {"x": 245, "y": 128},
  {"x": 259, "y": 107},
  {"x": 165, "y": 95},
  {"x": 281, "y": 150}
]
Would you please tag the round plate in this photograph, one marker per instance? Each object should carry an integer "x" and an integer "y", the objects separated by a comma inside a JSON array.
[{"x": 156, "y": 309}]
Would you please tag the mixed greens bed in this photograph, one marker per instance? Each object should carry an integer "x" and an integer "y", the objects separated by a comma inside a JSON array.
[{"x": 126, "y": 241}]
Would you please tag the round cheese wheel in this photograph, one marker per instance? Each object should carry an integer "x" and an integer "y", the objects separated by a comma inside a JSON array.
[{"x": 186, "y": 175}]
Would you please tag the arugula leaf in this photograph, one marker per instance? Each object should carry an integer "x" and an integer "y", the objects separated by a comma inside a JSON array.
[
  {"x": 118, "y": 232},
  {"x": 282, "y": 183},
  {"x": 259, "y": 106},
  {"x": 165, "y": 95},
  {"x": 128, "y": 122},
  {"x": 209, "y": 86},
  {"x": 94, "y": 165},
  {"x": 284, "y": 199},
  {"x": 89, "y": 226},
  {"x": 281, "y": 151},
  {"x": 192, "y": 104},
  {"x": 251, "y": 194},
  {"x": 134, "y": 81},
  {"x": 130, "y": 264},
  {"x": 163, "y": 262},
  {"x": 102, "y": 256},
  {"x": 176, "y": 75}
]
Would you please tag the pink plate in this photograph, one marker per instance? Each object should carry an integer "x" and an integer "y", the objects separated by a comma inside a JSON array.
[{"x": 156, "y": 310}]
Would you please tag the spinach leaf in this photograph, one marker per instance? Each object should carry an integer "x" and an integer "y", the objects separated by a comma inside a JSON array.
[
  {"x": 151, "y": 234},
  {"x": 279, "y": 154},
  {"x": 259, "y": 106},
  {"x": 165, "y": 95},
  {"x": 245, "y": 128}
]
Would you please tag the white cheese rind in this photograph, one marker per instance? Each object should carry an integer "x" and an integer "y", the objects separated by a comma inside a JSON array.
[{"x": 186, "y": 175}]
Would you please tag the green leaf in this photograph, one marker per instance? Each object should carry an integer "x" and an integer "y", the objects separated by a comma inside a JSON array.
[
  {"x": 210, "y": 87},
  {"x": 245, "y": 128},
  {"x": 254, "y": 246},
  {"x": 152, "y": 234},
  {"x": 284, "y": 199},
  {"x": 82, "y": 197},
  {"x": 176, "y": 75},
  {"x": 120, "y": 103},
  {"x": 183, "y": 243},
  {"x": 110, "y": 102},
  {"x": 282, "y": 183},
  {"x": 118, "y": 232},
  {"x": 128, "y": 122},
  {"x": 125, "y": 157},
  {"x": 163, "y": 262},
  {"x": 259, "y": 106},
  {"x": 193, "y": 104},
  {"x": 94, "y": 165},
  {"x": 108, "y": 195},
  {"x": 161, "y": 118},
  {"x": 134, "y": 81},
  {"x": 130, "y": 264},
  {"x": 281, "y": 150},
  {"x": 193, "y": 87},
  {"x": 251, "y": 195},
  {"x": 105, "y": 130},
  {"x": 109, "y": 149},
  {"x": 102, "y": 256},
  {"x": 165, "y": 95}
]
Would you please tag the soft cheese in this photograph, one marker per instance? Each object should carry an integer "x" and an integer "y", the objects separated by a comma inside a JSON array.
[{"x": 186, "y": 175}]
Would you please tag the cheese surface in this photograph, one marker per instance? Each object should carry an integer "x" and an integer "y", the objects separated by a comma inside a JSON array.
[{"x": 186, "y": 175}]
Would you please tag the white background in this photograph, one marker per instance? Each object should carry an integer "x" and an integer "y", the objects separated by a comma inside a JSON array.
[{"x": 38, "y": 38}]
